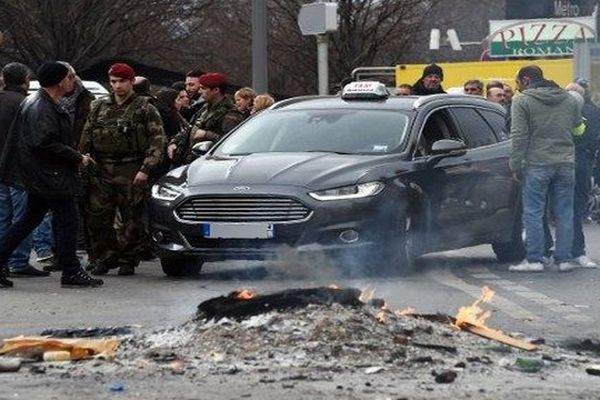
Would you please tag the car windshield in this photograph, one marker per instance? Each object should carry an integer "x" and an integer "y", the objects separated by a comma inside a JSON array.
[{"x": 335, "y": 131}]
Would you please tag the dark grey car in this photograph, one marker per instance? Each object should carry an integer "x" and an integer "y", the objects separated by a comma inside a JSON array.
[{"x": 371, "y": 179}]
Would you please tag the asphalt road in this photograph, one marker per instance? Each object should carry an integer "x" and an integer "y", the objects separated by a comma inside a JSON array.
[{"x": 552, "y": 305}]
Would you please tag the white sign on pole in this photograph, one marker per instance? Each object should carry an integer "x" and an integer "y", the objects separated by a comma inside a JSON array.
[{"x": 318, "y": 18}]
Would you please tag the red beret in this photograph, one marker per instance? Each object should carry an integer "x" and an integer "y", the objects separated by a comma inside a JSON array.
[
  {"x": 212, "y": 79},
  {"x": 122, "y": 70}
]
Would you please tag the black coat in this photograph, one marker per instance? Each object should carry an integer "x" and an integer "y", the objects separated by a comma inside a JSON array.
[
  {"x": 10, "y": 99},
  {"x": 39, "y": 156},
  {"x": 419, "y": 89},
  {"x": 172, "y": 121},
  {"x": 82, "y": 109},
  {"x": 195, "y": 106},
  {"x": 587, "y": 144}
]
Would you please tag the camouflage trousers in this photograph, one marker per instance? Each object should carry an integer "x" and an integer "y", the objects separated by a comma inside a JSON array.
[{"x": 109, "y": 198}]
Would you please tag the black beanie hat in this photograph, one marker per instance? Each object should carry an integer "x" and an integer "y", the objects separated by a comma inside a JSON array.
[
  {"x": 433, "y": 69},
  {"x": 51, "y": 73}
]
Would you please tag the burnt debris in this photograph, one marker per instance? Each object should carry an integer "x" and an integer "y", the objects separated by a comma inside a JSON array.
[
  {"x": 238, "y": 308},
  {"x": 87, "y": 332}
]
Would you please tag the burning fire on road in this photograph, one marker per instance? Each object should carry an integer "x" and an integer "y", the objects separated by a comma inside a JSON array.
[{"x": 474, "y": 314}]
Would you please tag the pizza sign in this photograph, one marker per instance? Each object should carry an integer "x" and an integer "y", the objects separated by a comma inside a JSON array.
[{"x": 539, "y": 37}]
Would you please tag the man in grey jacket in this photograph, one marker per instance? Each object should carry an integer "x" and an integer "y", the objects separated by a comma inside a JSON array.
[{"x": 542, "y": 156}]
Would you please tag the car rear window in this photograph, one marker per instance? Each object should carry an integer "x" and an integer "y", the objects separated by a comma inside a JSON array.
[{"x": 353, "y": 131}]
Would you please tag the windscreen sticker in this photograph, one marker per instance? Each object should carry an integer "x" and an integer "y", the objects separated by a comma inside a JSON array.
[{"x": 380, "y": 147}]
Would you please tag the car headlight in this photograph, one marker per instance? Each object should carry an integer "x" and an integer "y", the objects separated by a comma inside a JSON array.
[
  {"x": 166, "y": 191},
  {"x": 349, "y": 192}
]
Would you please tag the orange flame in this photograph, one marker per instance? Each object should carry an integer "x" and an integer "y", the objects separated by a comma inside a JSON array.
[
  {"x": 474, "y": 314},
  {"x": 404, "y": 312},
  {"x": 381, "y": 316},
  {"x": 245, "y": 294}
]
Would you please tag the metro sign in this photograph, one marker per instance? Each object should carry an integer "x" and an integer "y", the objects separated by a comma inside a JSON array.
[{"x": 539, "y": 37}]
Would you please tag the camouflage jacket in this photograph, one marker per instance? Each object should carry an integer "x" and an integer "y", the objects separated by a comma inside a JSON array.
[
  {"x": 130, "y": 132},
  {"x": 216, "y": 119}
]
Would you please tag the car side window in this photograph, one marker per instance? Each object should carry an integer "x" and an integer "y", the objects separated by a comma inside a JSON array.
[
  {"x": 473, "y": 127},
  {"x": 438, "y": 126},
  {"x": 497, "y": 122}
]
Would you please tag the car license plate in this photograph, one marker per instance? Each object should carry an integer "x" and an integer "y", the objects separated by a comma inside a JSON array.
[{"x": 237, "y": 231}]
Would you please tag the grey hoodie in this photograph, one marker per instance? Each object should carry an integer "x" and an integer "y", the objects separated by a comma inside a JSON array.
[{"x": 543, "y": 119}]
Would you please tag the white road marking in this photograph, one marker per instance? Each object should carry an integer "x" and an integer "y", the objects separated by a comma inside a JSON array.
[
  {"x": 485, "y": 276},
  {"x": 447, "y": 278},
  {"x": 567, "y": 311}
]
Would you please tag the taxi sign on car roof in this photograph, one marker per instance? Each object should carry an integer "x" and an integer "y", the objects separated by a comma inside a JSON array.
[{"x": 364, "y": 90}]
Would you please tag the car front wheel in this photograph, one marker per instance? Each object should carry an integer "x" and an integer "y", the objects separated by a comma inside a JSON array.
[
  {"x": 513, "y": 251},
  {"x": 181, "y": 266},
  {"x": 395, "y": 255}
]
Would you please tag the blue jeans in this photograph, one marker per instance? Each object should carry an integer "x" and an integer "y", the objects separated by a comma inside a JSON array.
[
  {"x": 556, "y": 185},
  {"x": 43, "y": 237},
  {"x": 12, "y": 207}
]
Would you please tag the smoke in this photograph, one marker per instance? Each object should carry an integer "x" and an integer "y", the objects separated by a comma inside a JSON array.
[{"x": 288, "y": 263}]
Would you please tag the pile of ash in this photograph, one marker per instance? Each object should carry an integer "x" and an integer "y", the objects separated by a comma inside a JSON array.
[
  {"x": 329, "y": 337},
  {"x": 326, "y": 342}
]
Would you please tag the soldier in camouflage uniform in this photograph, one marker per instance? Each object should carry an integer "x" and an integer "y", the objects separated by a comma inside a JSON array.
[
  {"x": 124, "y": 134},
  {"x": 217, "y": 116}
]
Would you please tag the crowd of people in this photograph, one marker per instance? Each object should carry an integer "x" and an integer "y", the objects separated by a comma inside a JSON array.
[
  {"x": 431, "y": 83},
  {"x": 77, "y": 170},
  {"x": 555, "y": 143}
]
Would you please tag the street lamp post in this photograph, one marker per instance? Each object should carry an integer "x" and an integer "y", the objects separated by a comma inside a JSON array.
[
  {"x": 259, "y": 46},
  {"x": 323, "y": 63}
]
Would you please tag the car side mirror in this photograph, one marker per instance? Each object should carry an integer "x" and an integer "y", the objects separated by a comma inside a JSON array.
[
  {"x": 448, "y": 147},
  {"x": 201, "y": 148},
  {"x": 445, "y": 148}
]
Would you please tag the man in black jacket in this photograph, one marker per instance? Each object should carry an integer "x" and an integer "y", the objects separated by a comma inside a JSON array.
[
  {"x": 430, "y": 82},
  {"x": 40, "y": 158},
  {"x": 12, "y": 200},
  {"x": 586, "y": 145},
  {"x": 192, "y": 86}
]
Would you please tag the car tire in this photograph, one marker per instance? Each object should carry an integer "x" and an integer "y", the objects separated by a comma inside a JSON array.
[
  {"x": 181, "y": 266},
  {"x": 513, "y": 251},
  {"x": 396, "y": 255}
]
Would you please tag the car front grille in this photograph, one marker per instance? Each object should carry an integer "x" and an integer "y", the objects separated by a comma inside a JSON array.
[{"x": 242, "y": 209}]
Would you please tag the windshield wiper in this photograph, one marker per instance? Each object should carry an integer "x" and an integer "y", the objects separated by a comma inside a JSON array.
[{"x": 325, "y": 151}]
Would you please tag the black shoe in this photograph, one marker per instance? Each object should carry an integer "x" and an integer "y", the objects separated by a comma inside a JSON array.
[
  {"x": 80, "y": 279},
  {"x": 53, "y": 267},
  {"x": 28, "y": 272},
  {"x": 126, "y": 270},
  {"x": 4, "y": 281},
  {"x": 102, "y": 268}
]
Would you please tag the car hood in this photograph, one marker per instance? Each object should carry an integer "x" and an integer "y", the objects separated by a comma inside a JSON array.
[{"x": 310, "y": 170}]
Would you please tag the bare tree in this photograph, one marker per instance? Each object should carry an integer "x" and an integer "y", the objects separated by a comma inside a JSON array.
[
  {"x": 216, "y": 35},
  {"x": 370, "y": 32},
  {"x": 84, "y": 32}
]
